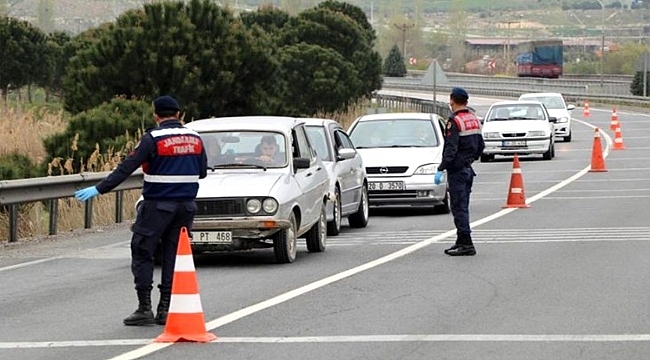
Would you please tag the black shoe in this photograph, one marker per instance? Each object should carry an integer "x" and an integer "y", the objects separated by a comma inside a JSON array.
[
  {"x": 461, "y": 250},
  {"x": 139, "y": 318}
]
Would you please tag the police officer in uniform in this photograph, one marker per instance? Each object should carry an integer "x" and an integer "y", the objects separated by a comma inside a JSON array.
[
  {"x": 173, "y": 160},
  {"x": 463, "y": 145}
]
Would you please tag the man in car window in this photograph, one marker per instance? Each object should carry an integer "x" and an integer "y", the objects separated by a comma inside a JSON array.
[
  {"x": 463, "y": 145},
  {"x": 268, "y": 151}
]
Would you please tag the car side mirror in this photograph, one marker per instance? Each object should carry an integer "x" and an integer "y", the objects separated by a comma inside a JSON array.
[
  {"x": 570, "y": 107},
  {"x": 552, "y": 119},
  {"x": 301, "y": 163},
  {"x": 344, "y": 154}
]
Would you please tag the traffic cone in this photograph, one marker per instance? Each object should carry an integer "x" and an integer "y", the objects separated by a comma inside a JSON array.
[
  {"x": 516, "y": 197},
  {"x": 614, "y": 122},
  {"x": 586, "y": 113},
  {"x": 597, "y": 161},
  {"x": 618, "y": 139},
  {"x": 185, "y": 321}
]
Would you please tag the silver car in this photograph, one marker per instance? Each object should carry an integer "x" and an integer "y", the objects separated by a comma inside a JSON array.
[
  {"x": 401, "y": 152},
  {"x": 348, "y": 183},
  {"x": 265, "y": 187}
]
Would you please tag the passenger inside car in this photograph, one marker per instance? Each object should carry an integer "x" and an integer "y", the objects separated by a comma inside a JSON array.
[{"x": 267, "y": 151}]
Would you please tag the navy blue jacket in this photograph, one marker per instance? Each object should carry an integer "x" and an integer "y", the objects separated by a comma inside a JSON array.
[
  {"x": 173, "y": 160},
  {"x": 463, "y": 141}
]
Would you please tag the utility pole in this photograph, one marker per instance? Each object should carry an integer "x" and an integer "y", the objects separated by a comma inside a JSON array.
[
  {"x": 508, "y": 61},
  {"x": 404, "y": 27},
  {"x": 602, "y": 43}
]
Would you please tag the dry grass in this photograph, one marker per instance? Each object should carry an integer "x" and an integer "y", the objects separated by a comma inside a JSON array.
[{"x": 24, "y": 132}]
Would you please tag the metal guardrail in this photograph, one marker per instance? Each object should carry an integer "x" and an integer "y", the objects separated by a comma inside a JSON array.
[
  {"x": 51, "y": 189},
  {"x": 497, "y": 90}
]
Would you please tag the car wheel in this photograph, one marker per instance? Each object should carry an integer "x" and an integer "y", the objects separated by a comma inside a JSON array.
[
  {"x": 284, "y": 242},
  {"x": 548, "y": 155},
  {"x": 487, "y": 158},
  {"x": 444, "y": 207},
  {"x": 360, "y": 218},
  {"x": 317, "y": 235},
  {"x": 334, "y": 226},
  {"x": 568, "y": 137}
]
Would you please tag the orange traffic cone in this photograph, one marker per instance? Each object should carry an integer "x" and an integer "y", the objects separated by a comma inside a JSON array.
[
  {"x": 618, "y": 139},
  {"x": 597, "y": 161},
  {"x": 185, "y": 321},
  {"x": 614, "y": 122},
  {"x": 516, "y": 197},
  {"x": 586, "y": 113}
]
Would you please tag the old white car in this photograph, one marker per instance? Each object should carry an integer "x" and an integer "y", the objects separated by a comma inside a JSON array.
[
  {"x": 265, "y": 187},
  {"x": 348, "y": 183},
  {"x": 402, "y": 152},
  {"x": 518, "y": 127}
]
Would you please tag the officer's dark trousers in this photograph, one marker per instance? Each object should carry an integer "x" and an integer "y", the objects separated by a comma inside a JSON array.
[
  {"x": 460, "y": 186},
  {"x": 158, "y": 220}
]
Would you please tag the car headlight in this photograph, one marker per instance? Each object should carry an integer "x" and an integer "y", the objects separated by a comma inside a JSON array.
[
  {"x": 536, "y": 133},
  {"x": 491, "y": 135},
  {"x": 563, "y": 119},
  {"x": 428, "y": 169},
  {"x": 270, "y": 205},
  {"x": 253, "y": 206}
]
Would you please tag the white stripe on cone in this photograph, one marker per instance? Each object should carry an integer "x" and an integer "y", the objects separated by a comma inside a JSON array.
[
  {"x": 516, "y": 171},
  {"x": 184, "y": 263},
  {"x": 516, "y": 190},
  {"x": 185, "y": 304}
]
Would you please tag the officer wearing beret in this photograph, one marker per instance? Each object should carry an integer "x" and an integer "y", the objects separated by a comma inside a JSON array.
[
  {"x": 463, "y": 145},
  {"x": 173, "y": 160}
]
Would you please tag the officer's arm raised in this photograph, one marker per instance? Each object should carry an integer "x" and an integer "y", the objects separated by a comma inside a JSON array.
[{"x": 137, "y": 157}]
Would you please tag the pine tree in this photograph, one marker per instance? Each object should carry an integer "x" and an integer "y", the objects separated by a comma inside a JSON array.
[
  {"x": 394, "y": 63},
  {"x": 637, "y": 84}
]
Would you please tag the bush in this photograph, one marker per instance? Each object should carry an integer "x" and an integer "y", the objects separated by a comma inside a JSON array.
[
  {"x": 17, "y": 166},
  {"x": 111, "y": 128},
  {"x": 637, "y": 84},
  {"x": 394, "y": 63}
]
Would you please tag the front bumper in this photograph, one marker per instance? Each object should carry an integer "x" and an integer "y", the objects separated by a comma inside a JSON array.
[
  {"x": 247, "y": 233},
  {"x": 538, "y": 146},
  {"x": 417, "y": 190},
  {"x": 562, "y": 129}
]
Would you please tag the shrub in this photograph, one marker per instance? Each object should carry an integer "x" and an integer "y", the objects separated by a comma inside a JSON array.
[{"x": 16, "y": 166}]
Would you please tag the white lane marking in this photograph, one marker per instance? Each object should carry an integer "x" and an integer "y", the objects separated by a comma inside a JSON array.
[
  {"x": 29, "y": 263},
  {"x": 357, "y": 339}
]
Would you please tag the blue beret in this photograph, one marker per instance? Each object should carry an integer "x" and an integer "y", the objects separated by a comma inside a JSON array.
[
  {"x": 165, "y": 103},
  {"x": 459, "y": 92}
]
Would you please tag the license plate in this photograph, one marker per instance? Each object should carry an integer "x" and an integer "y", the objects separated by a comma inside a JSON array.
[
  {"x": 386, "y": 185},
  {"x": 212, "y": 237},
  {"x": 514, "y": 143}
]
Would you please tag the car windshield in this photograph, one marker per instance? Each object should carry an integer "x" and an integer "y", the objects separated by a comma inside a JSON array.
[
  {"x": 394, "y": 133},
  {"x": 255, "y": 149},
  {"x": 319, "y": 141},
  {"x": 516, "y": 112},
  {"x": 551, "y": 102}
]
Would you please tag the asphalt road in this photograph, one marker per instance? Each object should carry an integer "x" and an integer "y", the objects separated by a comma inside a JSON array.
[{"x": 566, "y": 278}]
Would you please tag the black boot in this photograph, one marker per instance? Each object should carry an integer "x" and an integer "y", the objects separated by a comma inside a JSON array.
[
  {"x": 163, "y": 308},
  {"x": 143, "y": 315},
  {"x": 463, "y": 247}
]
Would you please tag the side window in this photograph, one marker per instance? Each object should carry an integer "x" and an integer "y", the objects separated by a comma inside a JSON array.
[
  {"x": 342, "y": 140},
  {"x": 303, "y": 150}
]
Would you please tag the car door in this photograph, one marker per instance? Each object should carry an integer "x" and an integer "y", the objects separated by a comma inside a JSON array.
[
  {"x": 312, "y": 181},
  {"x": 352, "y": 173}
]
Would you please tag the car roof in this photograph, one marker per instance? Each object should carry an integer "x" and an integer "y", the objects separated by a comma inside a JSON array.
[
  {"x": 517, "y": 102},
  {"x": 318, "y": 121},
  {"x": 246, "y": 123},
  {"x": 392, "y": 116},
  {"x": 541, "y": 94}
]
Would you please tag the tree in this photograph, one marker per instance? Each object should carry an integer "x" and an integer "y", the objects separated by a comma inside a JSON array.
[
  {"x": 394, "y": 63},
  {"x": 458, "y": 26},
  {"x": 318, "y": 80},
  {"x": 197, "y": 52},
  {"x": 637, "y": 84},
  {"x": 21, "y": 50}
]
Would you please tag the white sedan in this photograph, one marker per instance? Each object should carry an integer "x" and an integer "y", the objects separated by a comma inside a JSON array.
[
  {"x": 518, "y": 127},
  {"x": 348, "y": 183},
  {"x": 557, "y": 108}
]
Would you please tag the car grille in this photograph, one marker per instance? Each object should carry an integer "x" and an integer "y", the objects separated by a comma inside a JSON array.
[
  {"x": 513, "y": 135},
  {"x": 386, "y": 170},
  {"x": 390, "y": 194},
  {"x": 220, "y": 207}
]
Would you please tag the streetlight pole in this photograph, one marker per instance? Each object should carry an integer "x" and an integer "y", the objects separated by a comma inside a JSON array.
[
  {"x": 602, "y": 43},
  {"x": 403, "y": 28}
]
